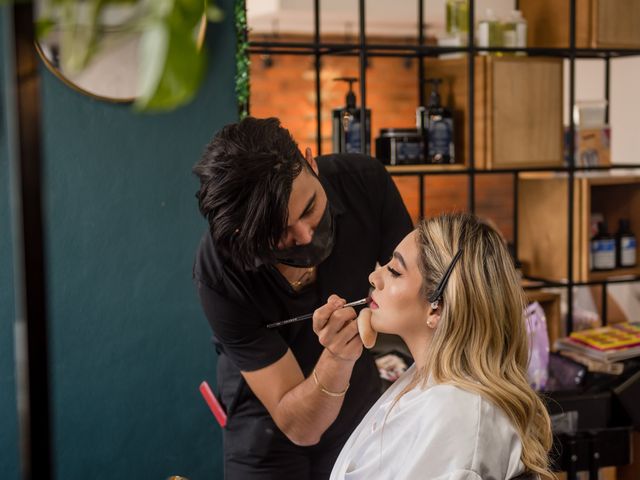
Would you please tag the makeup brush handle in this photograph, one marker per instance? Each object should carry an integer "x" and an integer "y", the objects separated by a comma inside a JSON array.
[{"x": 362, "y": 301}]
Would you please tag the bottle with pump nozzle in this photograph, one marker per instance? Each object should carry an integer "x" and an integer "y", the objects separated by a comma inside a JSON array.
[
  {"x": 625, "y": 245},
  {"x": 437, "y": 125},
  {"x": 346, "y": 123}
]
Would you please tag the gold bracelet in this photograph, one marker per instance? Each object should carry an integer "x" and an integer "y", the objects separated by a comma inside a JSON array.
[{"x": 324, "y": 390}]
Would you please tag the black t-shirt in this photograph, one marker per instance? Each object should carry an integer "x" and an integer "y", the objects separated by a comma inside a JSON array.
[{"x": 370, "y": 220}]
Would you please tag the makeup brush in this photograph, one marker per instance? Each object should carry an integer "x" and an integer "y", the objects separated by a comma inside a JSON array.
[{"x": 310, "y": 315}]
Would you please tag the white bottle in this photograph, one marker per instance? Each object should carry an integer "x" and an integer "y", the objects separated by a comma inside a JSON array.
[
  {"x": 520, "y": 29},
  {"x": 486, "y": 31}
]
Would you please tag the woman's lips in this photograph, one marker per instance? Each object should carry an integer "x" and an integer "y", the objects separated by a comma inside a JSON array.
[{"x": 372, "y": 304}]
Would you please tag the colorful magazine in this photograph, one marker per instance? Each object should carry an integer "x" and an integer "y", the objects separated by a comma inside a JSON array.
[{"x": 612, "y": 337}]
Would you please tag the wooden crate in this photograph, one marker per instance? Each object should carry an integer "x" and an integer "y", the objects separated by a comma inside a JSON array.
[
  {"x": 517, "y": 109},
  {"x": 599, "y": 23},
  {"x": 543, "y": 220}
]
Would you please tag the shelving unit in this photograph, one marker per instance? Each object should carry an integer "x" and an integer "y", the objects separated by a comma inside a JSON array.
[
  {"x": 364, "y": 49},
  {"x": 611, "y": 444}
]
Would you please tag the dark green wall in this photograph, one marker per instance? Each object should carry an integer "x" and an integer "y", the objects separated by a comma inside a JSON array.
[
  {"x": 129, "y": 344},
  {"x": 8, "y": 420}
]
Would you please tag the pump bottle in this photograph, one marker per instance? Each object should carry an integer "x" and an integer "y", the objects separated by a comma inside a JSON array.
[
  {"x": 438, "y": 126},
  {"x": 346, "y": 123}
]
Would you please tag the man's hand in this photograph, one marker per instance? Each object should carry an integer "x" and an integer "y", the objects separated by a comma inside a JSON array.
[
  {"x": 336, "y": 329},
  {"x": 299, "y": 408}
]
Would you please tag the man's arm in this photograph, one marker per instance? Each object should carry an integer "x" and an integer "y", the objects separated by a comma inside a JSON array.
[{"x": 297, "y": 405}]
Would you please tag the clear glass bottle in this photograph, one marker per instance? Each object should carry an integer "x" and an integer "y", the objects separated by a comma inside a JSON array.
[
  {"x": 458, "y": 19},
  {"x": 514, "y": 31},
  {"x": 489, "y": 32}
]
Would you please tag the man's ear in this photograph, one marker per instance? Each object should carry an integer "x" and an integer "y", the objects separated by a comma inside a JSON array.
[{"x": 311, "y": 161}]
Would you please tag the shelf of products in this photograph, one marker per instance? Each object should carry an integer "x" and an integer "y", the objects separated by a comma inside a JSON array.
[
  {"x": 555, "y": 254},
  {"x": 565, "y": 23},
  {"x": 543, "y": 224}
]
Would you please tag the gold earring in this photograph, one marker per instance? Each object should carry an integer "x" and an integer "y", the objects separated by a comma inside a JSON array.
[{"x": 372, "y": 284}]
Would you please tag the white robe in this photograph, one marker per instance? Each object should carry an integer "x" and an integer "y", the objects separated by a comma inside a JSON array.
[{"x": 442, "y": 432}]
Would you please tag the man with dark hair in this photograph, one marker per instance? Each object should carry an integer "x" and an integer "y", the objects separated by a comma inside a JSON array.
[{"x": 285, "y": 232}]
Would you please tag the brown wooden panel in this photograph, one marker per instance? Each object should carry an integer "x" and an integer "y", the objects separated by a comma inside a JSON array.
[
  {"x": 542, "y": 227},
  {"x": 548, "y": 22},
  {"x": 599, "y": 23},
  {"x": 525, "y": 116},
  {"x": 616, "y": 23},
  {"x": 550, "y": 303}
]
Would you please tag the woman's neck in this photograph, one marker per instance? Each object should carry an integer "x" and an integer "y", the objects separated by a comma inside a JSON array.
[{"x": 418, "y": 344}]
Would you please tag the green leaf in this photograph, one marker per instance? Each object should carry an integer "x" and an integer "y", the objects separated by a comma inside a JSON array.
[
  {"x": 171, "y": 68},
  {"x": 214, "y": 13},
  {"x": 43, "y": 27}
]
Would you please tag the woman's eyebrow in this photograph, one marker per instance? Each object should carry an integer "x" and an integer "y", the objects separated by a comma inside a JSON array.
[{"x": 400, "y": 259}]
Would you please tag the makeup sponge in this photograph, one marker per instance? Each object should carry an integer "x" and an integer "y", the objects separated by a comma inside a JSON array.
[{"x": 366, "y": 331}]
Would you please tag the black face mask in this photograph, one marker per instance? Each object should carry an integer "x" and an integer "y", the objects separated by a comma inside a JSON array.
[{"x": 316, "y": 251}]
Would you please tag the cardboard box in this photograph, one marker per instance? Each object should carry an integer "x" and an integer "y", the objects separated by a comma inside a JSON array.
[{"x": 592, "y": 146}]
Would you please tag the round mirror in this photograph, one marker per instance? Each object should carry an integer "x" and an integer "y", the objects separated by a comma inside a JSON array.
[{"x": 95, "y": 49}]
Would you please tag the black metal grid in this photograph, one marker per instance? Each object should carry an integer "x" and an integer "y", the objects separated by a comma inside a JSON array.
[{"x": 364, "y": 49}]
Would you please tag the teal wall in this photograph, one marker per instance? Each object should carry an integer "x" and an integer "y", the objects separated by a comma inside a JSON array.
[
  {"x": 129, "y": 344},
  {"x": 8, "y": 420}
]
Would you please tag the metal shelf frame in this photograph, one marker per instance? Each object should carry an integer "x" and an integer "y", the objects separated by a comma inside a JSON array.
[{"x": 363, "y": 49}]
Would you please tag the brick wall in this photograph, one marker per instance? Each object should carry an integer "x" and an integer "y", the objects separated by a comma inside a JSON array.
[{"x": 284, "y": 86}]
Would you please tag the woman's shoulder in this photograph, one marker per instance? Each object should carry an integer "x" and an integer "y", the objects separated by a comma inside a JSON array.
[
  {"x": 450, "y": 400},
  {"x": 483, "y": 432}
]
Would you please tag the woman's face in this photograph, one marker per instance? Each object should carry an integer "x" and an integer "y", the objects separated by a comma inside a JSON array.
[{"x": 396, "y": 304}]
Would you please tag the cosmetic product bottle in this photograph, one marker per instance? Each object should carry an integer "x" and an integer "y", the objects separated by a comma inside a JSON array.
[
  {"x": 514, "y": 31},
  {"x": 400, "y": 146},
  {"x": 521, "y": 29},
  {"x": 489, "y": 32},
  {"x": 457, "y": 23},
  {"x": 438, "y": 125},
  {"x": 346, "y": 123},
  {"x": 625, "y": 245},
  {"x": 603, "y": 249}
]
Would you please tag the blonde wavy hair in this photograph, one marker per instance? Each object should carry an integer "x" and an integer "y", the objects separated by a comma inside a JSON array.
[{"x": 480, "y": 343}]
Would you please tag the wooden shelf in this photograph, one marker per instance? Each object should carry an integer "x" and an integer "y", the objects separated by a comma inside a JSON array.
[
  {"x": 420, "y": 168},
  {"x": 543, "y": 222}
]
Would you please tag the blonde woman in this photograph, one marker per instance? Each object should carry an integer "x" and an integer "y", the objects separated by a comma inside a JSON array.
[{"x": 464, "y": 410}]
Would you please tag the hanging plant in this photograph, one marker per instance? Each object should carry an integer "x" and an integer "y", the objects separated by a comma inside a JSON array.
[{"x": 242, "y": 59}]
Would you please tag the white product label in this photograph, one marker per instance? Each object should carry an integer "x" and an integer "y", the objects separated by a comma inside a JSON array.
[
  {"x": 627, "y": 251},
  {"x": 603, "y": 254}
]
